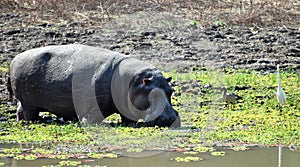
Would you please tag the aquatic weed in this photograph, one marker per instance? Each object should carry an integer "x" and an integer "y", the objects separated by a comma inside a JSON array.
[
  {"x": 69, "y": 163},
  {"x": 218, "y": 153},
  {"x": 190, "y": 152},
  {"x": 13, "y": 150},
  {"x": 19, "y": 157},
  {"x": 187, "y": 159},
  {"x": 203, "y": 149},
  {"x": 30, "y": 157},
  {"x": 95, "y": 155},
  {"x": 240, "y": 148}
]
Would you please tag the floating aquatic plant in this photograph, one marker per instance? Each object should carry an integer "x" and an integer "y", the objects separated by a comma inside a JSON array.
[
  {"x": 72, "y": 164},
  {"x": 110, "y": 155},
  {"x": 19, "y": 157},
  {"x": 95, "y": 155},
  {"x": 190, "y": 152},
  {"x": 218, "y": 153},
  {"x": 188, "y": 159},
  {"x": 42, "y": 151},
  {"x": 240, "y": 148},
  {"x": 203, "y": 149},
  {"x": 102, "y": 155},
  {"x": 69, "y": 163},
  {"x": 62, "y": 156},
  {"x": 13, "y": 150},
  {"x": 30, "y": 157}
]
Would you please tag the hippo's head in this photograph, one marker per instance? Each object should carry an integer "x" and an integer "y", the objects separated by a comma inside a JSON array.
[
  {"x": 140, "y": 91},
  {"x": 150, "y": 93}
]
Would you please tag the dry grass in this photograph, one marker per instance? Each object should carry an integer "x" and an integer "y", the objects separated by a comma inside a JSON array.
[{"x": 96, "y": 12}]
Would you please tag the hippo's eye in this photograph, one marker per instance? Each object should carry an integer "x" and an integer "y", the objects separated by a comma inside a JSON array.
[{"x": 147, "y": 81}]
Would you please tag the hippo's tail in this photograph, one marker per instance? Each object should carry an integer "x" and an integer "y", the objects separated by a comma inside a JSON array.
[{"x": 8, "y": 85}]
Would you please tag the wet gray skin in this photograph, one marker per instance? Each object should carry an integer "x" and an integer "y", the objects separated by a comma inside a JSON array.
[
  {"x": 140, "y": 88},
  {"x": 88, "y": 84}
]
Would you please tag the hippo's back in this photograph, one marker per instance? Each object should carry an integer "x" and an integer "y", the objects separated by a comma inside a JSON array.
[{"x": 43, "y": 78}]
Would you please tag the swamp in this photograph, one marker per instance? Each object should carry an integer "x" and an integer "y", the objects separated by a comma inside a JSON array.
[{"x": 203, "y": 45}]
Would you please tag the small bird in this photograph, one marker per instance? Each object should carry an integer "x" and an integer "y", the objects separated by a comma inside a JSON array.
[
  {"x": 230, "y": 98},
  {"x": 281, "y": 98}
]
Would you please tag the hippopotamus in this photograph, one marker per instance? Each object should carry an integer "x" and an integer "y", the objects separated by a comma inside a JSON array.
[{"x": 88, "y": 84}]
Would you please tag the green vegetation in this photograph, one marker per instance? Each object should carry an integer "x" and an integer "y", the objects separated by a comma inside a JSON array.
[
  {"x": 218, "y": 153},
  {"x": 3, "y": 69},
  {"x": 188, "y": 159},
  {"x": 256, "y": 119}
]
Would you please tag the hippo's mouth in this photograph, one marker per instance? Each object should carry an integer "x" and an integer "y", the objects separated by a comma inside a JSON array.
[{"x": 163, "y": 122}]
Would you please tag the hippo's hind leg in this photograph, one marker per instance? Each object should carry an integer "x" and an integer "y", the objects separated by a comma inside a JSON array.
[{"x": 24, "y": 112}]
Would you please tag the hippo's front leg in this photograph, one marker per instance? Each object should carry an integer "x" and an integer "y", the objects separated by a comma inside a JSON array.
[{"x": 127, "y": 122}]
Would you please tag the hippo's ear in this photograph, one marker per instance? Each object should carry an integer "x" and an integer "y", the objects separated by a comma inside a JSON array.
[
  {"x": 169, "y": 79},
  {"x": 147, "y": 81}
]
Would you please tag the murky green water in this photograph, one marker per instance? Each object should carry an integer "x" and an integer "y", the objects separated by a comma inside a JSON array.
[{"x": 255, "y": 157}]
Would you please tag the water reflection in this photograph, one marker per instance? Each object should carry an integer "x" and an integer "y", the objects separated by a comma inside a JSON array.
[
  {"x": 279, "y": 155},
  {"x": 255, "y": 157}
]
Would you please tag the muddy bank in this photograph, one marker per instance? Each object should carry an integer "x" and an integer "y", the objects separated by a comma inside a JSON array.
[
  {"x": 163, "y": 39},
  {"x": 170, "y": 41}
]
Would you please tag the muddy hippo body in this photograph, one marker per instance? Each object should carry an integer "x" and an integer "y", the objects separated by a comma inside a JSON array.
[{"x": 85, "y": 83}]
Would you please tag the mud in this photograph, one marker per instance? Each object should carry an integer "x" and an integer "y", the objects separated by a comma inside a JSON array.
[
  {"x": 164, "y": 39},
  {"x": 172, "y": 42}
]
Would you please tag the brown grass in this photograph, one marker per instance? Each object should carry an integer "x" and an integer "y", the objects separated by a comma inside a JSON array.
[{"x": 96, "y": 12}]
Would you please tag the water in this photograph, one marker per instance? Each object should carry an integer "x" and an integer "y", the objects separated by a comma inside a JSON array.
[{"x": 255, "y": 157}]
